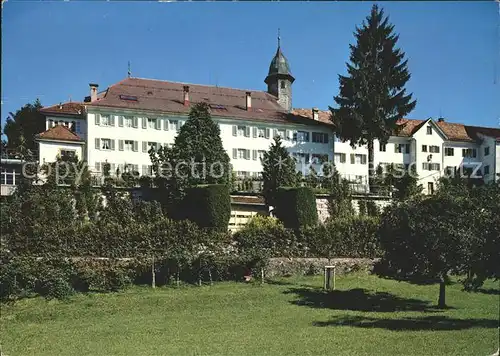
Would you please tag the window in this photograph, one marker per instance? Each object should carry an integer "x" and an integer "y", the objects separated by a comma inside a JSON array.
[
  {"x": 9, "y": 176},
  {"x": 319, "y": 137},
  {"x": 449, "y": 151},
  {"x": 261, "y": 132},
  {"x": 302, "y": 136},
  {"x": 151, "y": 123},
  {"x": 424, "y": 148},
  {"x": 434, "y": 149},
  {"x": 128, "y": 121},
  {"x": 429, "y": 130},
  {"x": 129, "y": 145},
  {"x": 487, "y": 150},
  {"x": 486, "y": 170},
  {"x": 430, "y": 187},
  {"x": 402, "y": 147},
  {"x": 469, "y": 152},
  {"x": 382, "y": 147},
  {"x": 172, "y": 125},
  {"x": 152, "y": 145},
  {"x": 280, "y": 133},
  {"x": 65, "y": 154},
  {"x": 105, "y": 144},
  {"x": 430, "y": 166},
  {"x": 301, "y": 157},
  {"x": 319, "y": 158},
  {"x": 105, "y": 120},
  {"x": 260, "y": 154},
  {"x": 241, "y": 153},
  {"x": 339, "y": 157},
  {"x": 358, "y": 159},
  {"x": 77, "y": 127},
  {"x": 283, "y": 84},
  {"x": 449, "y": 171}
]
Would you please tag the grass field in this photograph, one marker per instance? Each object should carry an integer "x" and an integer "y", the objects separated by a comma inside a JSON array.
[{"x": 366, "y": 316}]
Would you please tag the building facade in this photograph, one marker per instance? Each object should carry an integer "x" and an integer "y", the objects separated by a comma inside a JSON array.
[{"x": 120, "y": 124}]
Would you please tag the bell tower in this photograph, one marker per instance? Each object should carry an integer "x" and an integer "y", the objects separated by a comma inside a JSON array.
[{"x": 279, "y": 79}]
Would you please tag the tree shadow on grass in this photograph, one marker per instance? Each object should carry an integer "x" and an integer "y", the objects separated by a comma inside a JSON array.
[
  {"x": 406, "y": 324},
  {"x": 358, "y": 299},
  {"x": 489, "y": 291}
]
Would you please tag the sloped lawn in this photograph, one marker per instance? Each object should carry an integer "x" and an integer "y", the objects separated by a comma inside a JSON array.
[{"x": 366, "y": 316}]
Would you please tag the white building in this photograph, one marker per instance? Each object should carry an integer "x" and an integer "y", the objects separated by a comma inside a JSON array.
[{"x": 119, "y": 124}]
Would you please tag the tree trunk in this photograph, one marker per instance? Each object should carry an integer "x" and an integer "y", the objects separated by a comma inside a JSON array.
[
  {"x": 371, "y": 168},
  {"x": 442, "y": 291}
]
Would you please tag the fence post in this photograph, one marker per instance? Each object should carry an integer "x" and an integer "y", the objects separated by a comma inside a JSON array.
[{"x": 153, "y": 273}]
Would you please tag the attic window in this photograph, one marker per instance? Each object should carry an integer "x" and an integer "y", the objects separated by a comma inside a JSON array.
[
  {"x": 218, "y": 107},
  {"x": 150, "y": 92},
  {"x": 128, "y": 97}
]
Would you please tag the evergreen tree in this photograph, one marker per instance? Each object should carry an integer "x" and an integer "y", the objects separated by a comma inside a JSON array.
[
  {"x": 21, "y": 127},
  {"x": 372, "y": 96},
  {"x": 278, "y": 171},
  {"x": 197, "y": 157}
]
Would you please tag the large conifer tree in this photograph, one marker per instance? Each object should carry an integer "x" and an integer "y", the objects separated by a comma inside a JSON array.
[
  {"x": 372, "y": 95},
  {"x": 278, "y": 170}
]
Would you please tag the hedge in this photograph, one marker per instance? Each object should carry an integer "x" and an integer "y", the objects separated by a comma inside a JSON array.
[
  {"x": 209, "y": 206},
  {"x": 296, "y": 207}
]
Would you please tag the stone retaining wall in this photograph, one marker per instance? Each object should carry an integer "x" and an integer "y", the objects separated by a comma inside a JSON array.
[{"x": 279, "y": 267}]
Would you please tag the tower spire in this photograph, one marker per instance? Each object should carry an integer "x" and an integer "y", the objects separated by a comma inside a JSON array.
[
  {"x": 129, "y": 72},
  {"x": 279, "y": 38}
]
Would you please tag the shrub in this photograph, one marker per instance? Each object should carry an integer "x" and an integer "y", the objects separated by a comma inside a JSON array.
[
  {"x": 296, "y": 207},
  {"x": 362, "y": 207},
  {"x": 354, "y": 237},
  {"x": 372, "y": 208},
  {"x": 208, "y": 206}
]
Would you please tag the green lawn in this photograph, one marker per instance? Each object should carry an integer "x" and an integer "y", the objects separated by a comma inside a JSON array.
[{"x": 366, "y": 316}]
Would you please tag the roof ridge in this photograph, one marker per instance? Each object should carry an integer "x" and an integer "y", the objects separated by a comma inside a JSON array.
[{"x": 200, "y": 85}]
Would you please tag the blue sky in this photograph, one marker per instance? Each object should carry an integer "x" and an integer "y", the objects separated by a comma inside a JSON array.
[{"x": 52, "y": 50}]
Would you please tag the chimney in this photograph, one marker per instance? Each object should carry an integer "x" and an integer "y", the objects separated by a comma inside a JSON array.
[
  {"x": 249, "y": 100},
  {"x": 93, "y": 91},
  {"x": 186, "y": 95},
  {"x": 441, "y": 119},
  {"x": 315, "y": 114}
]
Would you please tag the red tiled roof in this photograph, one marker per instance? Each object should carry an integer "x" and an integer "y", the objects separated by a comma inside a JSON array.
[
  {"x": 164, "y": 96},
  {"x": 60, "y": 133},
  {"x": 473, "y": 131},
  {"x": 407, "y": 127},
  {"x": 323, "y": 116},
  {"x": 70, "y": 108}
]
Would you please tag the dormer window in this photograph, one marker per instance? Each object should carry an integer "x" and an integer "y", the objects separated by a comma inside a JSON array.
[{"x": 429, "y": 130}]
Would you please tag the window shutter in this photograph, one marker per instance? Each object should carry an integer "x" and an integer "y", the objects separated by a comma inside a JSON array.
[
  {"x": 254, "y": 152},
  {"x": 135, "y": 123},
  {"x": 111, "y": 169},
  {"x": 144, "y": 123},
  {"x": 112, "y": 145},
  {"x": 144, "y": 146},
  {"x": 97, "y": 119},
  {"x": 326, "y": 137},
  {"x": 247, "y": 131},
  {"x": 254, "y": 132},
  {"x": 120, "y": 121},
  {"x": 178, "y": 124},
  {"x": 97, "y": 143},
  {"x": 268, "y": 133},
  {"x": 98, "y": 166},
  {"x": 158, "y": 124},
  {"x": 408, "y": 148},
  {"x": 136, "y": 167},
  {"x": 120, "y": 145},
  {"x": 287, "y": 134},
  {"x": 247, "y": 154},
  {"x": 474, "y": 153},
  {"x": 165, "y": 124},
  {"x": 352, "y": 158},
  {"x": 235, "y": 129},
  {"x": 275, "y": 133},
  {"x": 235, "y": 152},
  {"x": 158, "y": 146},
  {"x": 111, "y": 120},
  {"x": 135, "y": 147},
  {"x": 363, "y": 159},
  {"x": 144, "y": 170}
]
